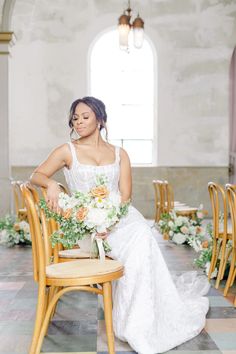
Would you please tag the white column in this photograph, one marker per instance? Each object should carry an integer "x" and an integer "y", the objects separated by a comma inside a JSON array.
[{"x": 6, "y": 40}]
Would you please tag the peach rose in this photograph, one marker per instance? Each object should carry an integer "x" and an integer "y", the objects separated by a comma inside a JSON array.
[
  {"x": 205, "y": 244},
  {"x": 67, "y": 213},
  {"x": 81, "y": 213},
  {"x": 199, "y": 229},
  {"x": 100, "y": 192},
  {"x": 184, "y": 229},
  {"x": 16, "y": 227}
]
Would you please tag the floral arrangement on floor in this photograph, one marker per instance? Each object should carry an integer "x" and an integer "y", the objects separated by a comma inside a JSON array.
[
  {"x": 14, "y": 232},
  {"x": 182, "y": 229},
  {"x": 83, "y": 214}
]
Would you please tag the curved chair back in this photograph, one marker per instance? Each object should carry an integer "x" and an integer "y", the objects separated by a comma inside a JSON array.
[
  {"x": 18, "y": 199},
  {"x": 231, "y": 193},
  {"x": 158, "y": 188},
  {"x": 219, "y": 206},
  {"x": 41, "y": 247}
]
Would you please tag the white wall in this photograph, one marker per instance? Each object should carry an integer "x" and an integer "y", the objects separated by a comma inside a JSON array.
[{"x": 194, "y": 40}]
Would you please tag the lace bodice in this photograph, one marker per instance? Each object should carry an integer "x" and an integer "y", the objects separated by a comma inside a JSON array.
[{"x": 82, "y": 176}]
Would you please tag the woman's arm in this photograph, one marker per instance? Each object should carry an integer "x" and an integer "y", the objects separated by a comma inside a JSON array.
[
  {"x": 125, "y": 183},
  {"x": 41, "y": 176}
]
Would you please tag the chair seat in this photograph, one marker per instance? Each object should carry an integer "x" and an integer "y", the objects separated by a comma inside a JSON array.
[
  {"x": 83, "y": 268},
  {"x": 73, "y": 253}
]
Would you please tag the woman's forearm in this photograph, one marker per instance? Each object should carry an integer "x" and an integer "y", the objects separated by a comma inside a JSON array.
[{"x": 41, "y": 180}]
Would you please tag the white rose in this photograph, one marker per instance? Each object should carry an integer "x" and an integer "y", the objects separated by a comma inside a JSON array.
[
  {"x": 171, "y": 224},
  {"x": 96, "y": 217},
  {"x": 179, "y": 221},
  {"x": 179, "y": 238},
  {"x": 171, "y": 233}
]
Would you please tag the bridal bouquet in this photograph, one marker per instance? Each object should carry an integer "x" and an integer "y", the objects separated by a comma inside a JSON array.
[
  {"x": 83, "y": 214},
  {"x": 182, "y": 229}
]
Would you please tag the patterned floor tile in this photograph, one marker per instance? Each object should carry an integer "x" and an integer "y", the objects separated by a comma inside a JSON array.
[
  {"x": 224, "y": 341},
  {"x": 221, "y": 312},
  {"x": 219, "y": 301},
  {"x": 69, "y": 343},
  {"x": 221, "y": 325},
  {"x": 202, "y": 342}
]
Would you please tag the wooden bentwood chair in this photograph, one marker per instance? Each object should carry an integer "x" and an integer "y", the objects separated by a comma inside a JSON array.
[
  {"x": 231, "y": 193},
  {"x": 221, "y": 233},
  {"x": 164, "y": 201},
  {"x": 56, "y": 279}
]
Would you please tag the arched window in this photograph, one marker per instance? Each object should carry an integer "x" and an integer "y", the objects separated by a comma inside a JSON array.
[{"x": 125, "y": 82}]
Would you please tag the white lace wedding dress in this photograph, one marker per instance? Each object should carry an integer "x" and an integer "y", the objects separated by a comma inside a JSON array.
[{"x": 151, "y": 312}]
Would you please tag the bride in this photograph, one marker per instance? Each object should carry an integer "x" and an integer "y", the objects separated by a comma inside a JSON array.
[{"x": 151, "y": 312}]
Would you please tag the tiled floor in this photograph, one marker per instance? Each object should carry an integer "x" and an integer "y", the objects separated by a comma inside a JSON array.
[{"x": 78, "y": 325}]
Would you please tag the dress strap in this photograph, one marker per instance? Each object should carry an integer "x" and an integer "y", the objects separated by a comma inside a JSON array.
[
  {"x": 73, "y": 152},
  {"x": 117, "y": 151}
]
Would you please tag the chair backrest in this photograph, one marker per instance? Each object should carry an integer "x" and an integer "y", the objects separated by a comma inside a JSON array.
[
  {"x": 157, "y": 184},
  {"x": 219, "y": 206},
  {"x": 168, "y": 196},
  {"x": 53, "y": 225},
  {"x": 41, "y": 248},
  {"x": 18, "y": 198},
  {"x": 231, "y": 193}
]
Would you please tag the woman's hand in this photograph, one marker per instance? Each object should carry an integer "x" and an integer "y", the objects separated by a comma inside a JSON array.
[
  {"x": 102, "y": 235},
  {"x": 53, "y": 191}
]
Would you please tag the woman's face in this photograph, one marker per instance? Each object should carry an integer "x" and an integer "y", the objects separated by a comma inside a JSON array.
[{"x": 84, "y": 120}]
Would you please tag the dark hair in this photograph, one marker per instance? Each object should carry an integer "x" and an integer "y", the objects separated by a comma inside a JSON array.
[{"x": 97, "y": 106}]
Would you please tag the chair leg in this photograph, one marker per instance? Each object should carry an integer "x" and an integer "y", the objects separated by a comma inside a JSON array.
[
  {"x": 231, "y": 274},
  {"x": 107, "y": 298},
  {"x": 45, "y": 323},
  {"x": 40, "y": 312},
  {"x": 221, "y": 266},
  {"x": 213, "y": 259}
]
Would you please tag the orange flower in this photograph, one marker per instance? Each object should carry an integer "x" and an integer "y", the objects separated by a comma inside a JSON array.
[
  {"x": 67, "y": 213},
  {"x": 81, "y": 213},
  {"x": 205, "y": 244},
  {"x": 16, "y": 227},
  {"x": 100, "y": 192}
]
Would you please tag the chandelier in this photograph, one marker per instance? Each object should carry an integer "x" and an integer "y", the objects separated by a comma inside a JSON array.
[{"x": 124, "y": 27}]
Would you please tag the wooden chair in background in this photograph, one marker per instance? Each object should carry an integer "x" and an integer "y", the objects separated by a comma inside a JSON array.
[
  {"x": 231, "y": 193},
  {"x": 80, "y": 275},
  {"x": 221, "y": 233},
  {"x": 20, "y": 208},
  {"x": 165, "y": 203}
]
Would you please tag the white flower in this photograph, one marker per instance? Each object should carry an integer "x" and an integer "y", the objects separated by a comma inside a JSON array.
[
  {"x": 171, "y": 233},
  {"x": 67, "y": 202},
  {"x": 179, "y": 221},
  {"x": 24, "y": 226},
  {"x": 96, "y": 217},
  {"x": 179, "y": 238},
  {"x": 171, "y": 224},
  {"x": 207, "y": 268}
]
